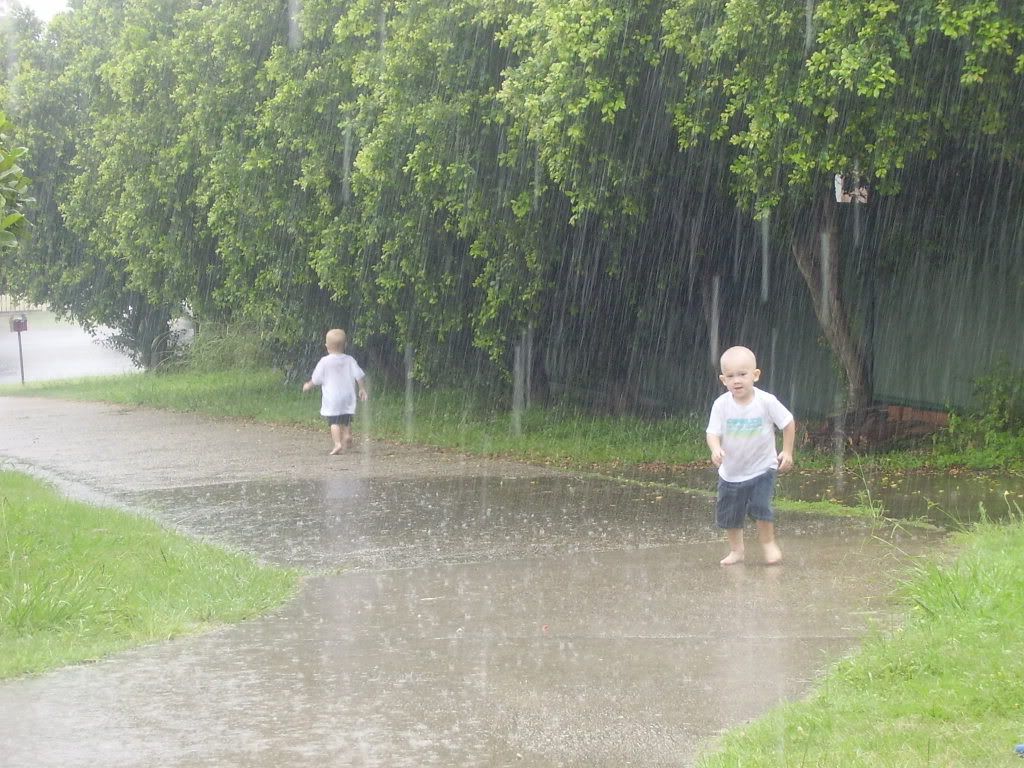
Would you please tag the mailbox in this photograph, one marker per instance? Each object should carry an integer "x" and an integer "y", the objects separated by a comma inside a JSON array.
[{"x": 19, "y": 323}]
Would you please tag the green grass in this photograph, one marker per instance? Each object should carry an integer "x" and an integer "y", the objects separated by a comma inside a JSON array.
[
  {"x": 79, "y": 582},
  {"x": 255, "y": 394},
  {"x": 564, "y": 436},
  {"x": 947, "y": 689}
]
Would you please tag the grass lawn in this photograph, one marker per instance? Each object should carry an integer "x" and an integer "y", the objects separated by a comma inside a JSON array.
[{"x": 79, "y": 582}]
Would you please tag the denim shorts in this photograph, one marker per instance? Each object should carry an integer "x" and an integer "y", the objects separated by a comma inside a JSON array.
[
  {"x": 344, "y": 419},
  {"x": 751, "y": 498}
]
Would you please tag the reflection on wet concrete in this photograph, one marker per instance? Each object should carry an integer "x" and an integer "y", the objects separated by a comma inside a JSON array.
[
  {"x": 355, "y": 522},
  {"x": 602, "y": 658},
  {"x": 947, "y": 499},
  {"x": 460, "y": 612}
]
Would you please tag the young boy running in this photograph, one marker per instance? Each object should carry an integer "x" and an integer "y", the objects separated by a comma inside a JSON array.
[
  {"x": 741, "y": 436},
  {"x": 338, "y": 375}
]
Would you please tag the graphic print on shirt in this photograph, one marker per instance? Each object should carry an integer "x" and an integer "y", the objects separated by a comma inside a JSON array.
[{"x": 744, "y": 429}]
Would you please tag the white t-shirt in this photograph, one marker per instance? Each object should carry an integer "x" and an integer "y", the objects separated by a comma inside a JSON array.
[
  {"x": 336, "y": 375},
  {"x": 748, "y": 434}
]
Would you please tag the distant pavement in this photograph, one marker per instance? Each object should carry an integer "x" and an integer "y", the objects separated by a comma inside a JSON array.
[{"x": 52, "y": 349}]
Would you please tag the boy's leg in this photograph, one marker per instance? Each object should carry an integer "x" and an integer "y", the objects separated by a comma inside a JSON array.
[
  {"x": 762, "y": 494},
  {"x": 766, "y": 533},
  {"x": 346, "y": 430},
  {"x": 336, "y": 436},
  {"x": 729, "y": 515},
  {"x": 735, "y": 536}
]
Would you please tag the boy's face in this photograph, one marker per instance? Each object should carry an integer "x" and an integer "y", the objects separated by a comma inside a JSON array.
[{"x": 739, "y": 374}]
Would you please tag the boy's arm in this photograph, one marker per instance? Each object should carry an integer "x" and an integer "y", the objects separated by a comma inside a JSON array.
[
  {"x": 363, "y": 394},
  {"x": 317, "y": 377},
  {"x": 713, "y": 434},
  {"x": 788, "y": 441},
  {"x": 715, "y": 444}
]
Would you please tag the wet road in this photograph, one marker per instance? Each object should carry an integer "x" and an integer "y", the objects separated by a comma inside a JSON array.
[
  {"x": 459, "y": 612},
  {"x": 53, "y": 349}
]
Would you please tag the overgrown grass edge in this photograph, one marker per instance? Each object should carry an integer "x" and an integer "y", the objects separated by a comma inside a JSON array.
[
  {"x": 80, "y": 582},
  {"x": 944, "y": 689}
]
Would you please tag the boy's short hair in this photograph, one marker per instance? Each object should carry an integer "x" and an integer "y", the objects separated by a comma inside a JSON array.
[
  {"x": 734, "y": 353},
  {"x": 336, "y": 340}
]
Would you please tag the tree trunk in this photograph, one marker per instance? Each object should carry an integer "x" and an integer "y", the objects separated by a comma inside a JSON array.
[
  {"x": 818, "y": 256},
  {"x": 144, "y": 333}
]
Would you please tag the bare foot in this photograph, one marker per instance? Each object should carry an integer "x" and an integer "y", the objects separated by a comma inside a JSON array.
[
  {"x": 337, "y": 449},
  {"x": 731, "y": 559},
  {"x": 772, "y": 554},
  {"x": 348, "y": 442}
]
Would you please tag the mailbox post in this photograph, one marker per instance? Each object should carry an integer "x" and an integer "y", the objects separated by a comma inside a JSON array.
[{"x": 19, "y": 323}]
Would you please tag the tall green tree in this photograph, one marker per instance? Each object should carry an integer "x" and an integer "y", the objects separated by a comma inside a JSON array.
[
  {"x": 53, "y": 90},
  {"x": 802, "y": 91},
  {"x": 236, "y": 63},
  {"x": 438, "y": 193},
  {"x": 132, "y": 202}
]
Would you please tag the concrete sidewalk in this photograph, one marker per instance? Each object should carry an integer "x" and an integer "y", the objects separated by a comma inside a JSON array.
[{"x": 459, "y": 612}]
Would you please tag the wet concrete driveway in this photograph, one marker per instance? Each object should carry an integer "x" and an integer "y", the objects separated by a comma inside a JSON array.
[{"x": 458, "y": 612}]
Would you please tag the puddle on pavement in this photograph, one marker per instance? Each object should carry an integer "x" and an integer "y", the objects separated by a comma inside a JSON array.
[
  {"x": 463, "y": 620},
  {"x": 592, "y": 658},
  {"x": 945, "y": 499},
  {"x": 355, "y": 522}
]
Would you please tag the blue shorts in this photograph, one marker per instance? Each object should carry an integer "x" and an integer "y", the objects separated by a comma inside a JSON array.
[
  {"x": 752, "y": 498},
  {"x": 345, "y": 419}
]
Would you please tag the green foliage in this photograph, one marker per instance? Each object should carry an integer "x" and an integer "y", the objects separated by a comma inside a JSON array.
[
  {"x": 448, "y": 175},
  {"x": 13, "y": 189},
  {"x": 851, "y": 88},
  {"x": 64, "y": 105},
  {"x": 251, "y": 170},
  {"x": 1000, "y": 397},
  {"x": 80, "y": 582},
  {"x": 434, "y": 182},
  {"x": 991, "y": 434},
  {"x": 218, "y": 347},
  {"x": 577, "y": 70}
]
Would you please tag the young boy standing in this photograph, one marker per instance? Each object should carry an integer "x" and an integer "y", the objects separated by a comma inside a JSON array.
[
  {"x": 338, "y": 375},
  {"x": 741, "y": 436}
]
